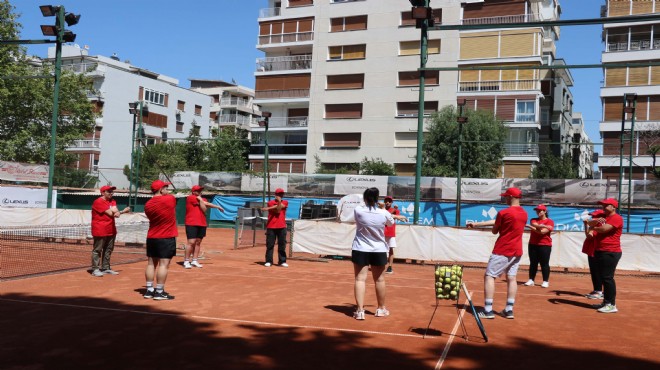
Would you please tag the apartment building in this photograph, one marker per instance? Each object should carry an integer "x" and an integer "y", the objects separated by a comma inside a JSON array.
[
  {"x": 630, "y": 43},
  {"x": 171, "y": 111},
  {"x": 349, "y": 70},
  {"x": 582, "y": 148}
]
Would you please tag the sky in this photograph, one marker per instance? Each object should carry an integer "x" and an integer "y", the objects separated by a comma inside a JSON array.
[{"x": 216, "y": 39}]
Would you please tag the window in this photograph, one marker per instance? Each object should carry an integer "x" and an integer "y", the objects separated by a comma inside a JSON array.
[
  {"x": 342, "y": 139},
  {"x": 198, "y": 110},
  {"x": 339, "y": 82},
  {"x": 526, "y": 111},
  {"x": 410, "y": 109},
  {"x": 411, "y": 78},
  {"x": 405, "y": 139},
  {"x": 413, "y": 47},
  {"x": 333, "y": 111},
  {"x": 181, "y": 105},
  {"x": 295, "y": 138},
  {"x": 154, "y": 97},
  {"x": 347, "y": 52},
  {"x": 179, "y": 127},
  {"x": 354, "y": 23},
  {"x": 407, "y": 19}
]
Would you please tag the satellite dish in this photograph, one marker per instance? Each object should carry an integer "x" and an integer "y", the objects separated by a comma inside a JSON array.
[{"x": 347, "y": 205}]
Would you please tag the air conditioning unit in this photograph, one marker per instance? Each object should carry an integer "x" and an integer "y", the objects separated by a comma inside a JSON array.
[{"x": 554, "y": 125}]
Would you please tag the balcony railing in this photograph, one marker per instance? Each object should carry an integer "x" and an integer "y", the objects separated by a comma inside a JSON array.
[
  {"x": 237, "y": 119},
  {"x": 522, "y": 18},
  {"x": 80, "y": 67},
  {"x": 276, "y": 122},
  {"x": 234, "y": 102},
  {"x": 506, "y": 85},
  {"x": 282, "y": 94},
  {"x": 521, "y": 150},
  {"x": 269, "y": 12},
  {"x": 85, "y": 144},
  {"x": 633, "y": 45},
  {"x": 286, "y": 37},
  {"x": 290, "y": 149},
  {"x": 291, "y": 62}
]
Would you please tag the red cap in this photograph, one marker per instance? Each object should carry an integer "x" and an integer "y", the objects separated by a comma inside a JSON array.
[
  {"x": 158, "y": 184},
  {"x": 389, "y": 197},
  {"x": 611, "y": 201},
  {"x": 197, "y": 188},
  {"x": 279, "y": 191},
  {"x": 541, "y": 207},
  {"x": 512, "y": 192},
  {"x": 107, "y": 187},
  {"x": 597, "y": 213}
]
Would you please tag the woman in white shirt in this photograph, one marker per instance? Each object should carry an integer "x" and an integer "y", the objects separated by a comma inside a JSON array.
[{"x": 370, "y": 249}]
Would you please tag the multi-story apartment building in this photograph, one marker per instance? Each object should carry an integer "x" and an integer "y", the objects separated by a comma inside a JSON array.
[
  {"x": 348, "y": 70},
  {"x": 582, "y": 148},
  {"x": 171, "y": 111},
  {"x": 630, "y": 43}
]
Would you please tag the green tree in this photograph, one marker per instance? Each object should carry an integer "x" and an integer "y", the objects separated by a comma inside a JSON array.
[
  {"x": 482, "y": 147},
  {"x": 553, "y": 167},
  {"x": 160, "y": 158},
  {"x": 229, "y": 151},
  {"x": 376, "y": 167}
]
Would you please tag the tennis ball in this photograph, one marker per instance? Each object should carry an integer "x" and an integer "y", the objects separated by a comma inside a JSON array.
[
  {"x": 453, "y": 294},
  {"x": 447, "y": 280},
  {"x": 438, "y": 284},
  {"x": 447, "y": 287},
  {"x": 437, "y": 272},
  {"x": 453, "y": 283},
  {"x": 454, "y": 278}
]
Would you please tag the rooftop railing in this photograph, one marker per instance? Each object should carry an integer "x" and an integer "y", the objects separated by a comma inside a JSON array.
[{"x": 521, "y": 18}]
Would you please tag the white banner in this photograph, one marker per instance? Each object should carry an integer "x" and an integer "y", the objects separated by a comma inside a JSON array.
[
  {"x": 352, "y": 184},
  {"x": 183, "y": 179},
  {"x": 346, "y": 207},
  {"x": 256, "y": 183},
  {"x": 17, "y": 197},
  {"x": 472, "y": 189},
  {"x": 14, "y": 171},
  {"x": 585, "y": 191}
]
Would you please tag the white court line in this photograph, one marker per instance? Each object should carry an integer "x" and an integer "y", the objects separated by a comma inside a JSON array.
[
  {"x": 264, "y": 323},
  {"x": 441, "y": 361}
]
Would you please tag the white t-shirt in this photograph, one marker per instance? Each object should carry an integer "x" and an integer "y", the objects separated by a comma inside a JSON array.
[{"x": 370, "y": 229}]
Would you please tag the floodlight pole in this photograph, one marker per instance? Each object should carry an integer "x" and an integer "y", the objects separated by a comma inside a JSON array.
[
  {"x": 136, "y": 136},
  {"x": 59, "y": 24},
  {"x": 266, "y": 185},
  {"x": 460, "y": 120},
  {"x": 424, "y": 23},
  {"x": 630, "y": 157}
]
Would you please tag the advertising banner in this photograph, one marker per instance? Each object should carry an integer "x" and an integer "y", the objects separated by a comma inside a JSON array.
[
  {"x": 24, "y": 197},
  {"x": 256, "y": 183},
  {"x": 227, "y": 181},
  {"x": 14, "y": 171},
  {"x": 472, "y": 189},
  {"x": 183, "y": 179},
  {"x": 585, "y": 191},
  {"x": 352, "y": 184}
]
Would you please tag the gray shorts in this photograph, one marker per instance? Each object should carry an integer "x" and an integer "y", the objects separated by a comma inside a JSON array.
[{"x": 497, "y": 265}]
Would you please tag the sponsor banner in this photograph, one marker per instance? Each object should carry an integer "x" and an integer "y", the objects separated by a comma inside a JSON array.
[
  {"x": 472, "y": 189},
  {"x": 347, "y": 205},
  {"x": 403, "y": 187},
  {"x": 585, "y": 191},
  {"x": 183, "y": 179},
  {"x": 311, "y": 184},
  {"x": 227, "y": 181},
  {"x": 352, "y": 184},
  {"x": 256, "y": 183},
  {"x": 14, "y": 171},
  {"x": 25, "y": 197}
]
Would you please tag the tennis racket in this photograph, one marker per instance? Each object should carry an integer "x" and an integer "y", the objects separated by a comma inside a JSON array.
[{"x": 474, "y": 313}]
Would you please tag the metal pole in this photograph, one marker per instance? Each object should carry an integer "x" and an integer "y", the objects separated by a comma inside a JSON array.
[
  {"x": 460, "y": 156},
  {"x": 138, "y": 153},
  {"x": 630, "y": 158},
  {"x": 131, "y": 178},
  {"x": 420, "y": 114},
  {"x": 266, "y": 159},
  {"x": 59, "y": 24},
  {"x": 623, "y": 127},
  {"x": 266, "y": 190}
]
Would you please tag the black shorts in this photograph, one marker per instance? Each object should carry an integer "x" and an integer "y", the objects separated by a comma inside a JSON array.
[
  {"x": 195, "y": 232},
  {"x": 369, "y": 258},
  {"x": 161, "y": 247}
]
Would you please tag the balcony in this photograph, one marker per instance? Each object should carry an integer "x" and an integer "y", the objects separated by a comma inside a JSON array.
[
  {"x": 278, "y": 149},
  {"x": 85, "y": 144},
  {"x": 285, "y": 38},
  {"x": 522, "y": 18},
  {"x": 236, "y": 119},
  {"x": 284, "y": 122},
  {"x": 521, "y": 150},
  {"x": 282, "y": 94},
  {"x": 285, "y": 63},
  {"x": 235, "y": 102},
  {"x": 270, "y": 12},
  {"x": 506, "y": 85},
  {"x": 633, "y": 45}
]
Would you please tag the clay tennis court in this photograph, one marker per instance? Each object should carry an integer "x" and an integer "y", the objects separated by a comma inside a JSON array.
[{"x": 236, "y": 314}]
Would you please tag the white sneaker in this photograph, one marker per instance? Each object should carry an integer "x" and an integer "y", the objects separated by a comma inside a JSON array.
[
  {"x": 267, "y": 264},
  {"x": 187, "y": 265},
  {"x": 196, "y": 264},
  {"x": 529, "y": 282},
  {"x": 358, "y": 315},
  {"x": 382, "y": 312},
  {"x": 284, "y": 264},
  {"x": 545, "y": 284},
  {"x": 608, "y": 308},
  {"x": 97, "y": 273}
]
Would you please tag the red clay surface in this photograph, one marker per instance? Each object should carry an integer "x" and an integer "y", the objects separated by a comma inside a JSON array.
[{"x": 236, "y": 314}]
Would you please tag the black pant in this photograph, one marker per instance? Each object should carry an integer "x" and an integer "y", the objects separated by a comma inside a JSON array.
[
  {"x": 539, "y": 254},
  {"x": 280, "y": 234},
  {"x": 607, "y": 262},
  {"x": 595, "y": 274}
]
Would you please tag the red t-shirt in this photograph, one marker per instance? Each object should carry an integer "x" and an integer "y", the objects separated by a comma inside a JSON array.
[
  {"x": 511, "y": 223},
  {"x": 611, "y": 241},
  {"x": 542, "y": 239},
  {"x": 194, "y": 214},
  {"x": 103, "y": 224},
  {"x": 162, "y": 217},
  {"x": 277, "y": 219},
  {"x": 589, "y": 245},
  {"x": 390, "y": 231}
]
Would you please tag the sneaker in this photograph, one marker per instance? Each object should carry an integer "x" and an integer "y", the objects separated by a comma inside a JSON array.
[
  {"x": 595, "y": 295},
  {"x": 196, "y": 264},
  {"x": 507, "y": 314},
  {"x": 486, "y": 315},
  {"x": 608, "y": 308},
  {"x": 187, "y": 265},
  {"x": 149, "y": 294},
  {"x": 545, "y": 284},
  {"x": 358, "y": 315},
  {"x": 110, "y": 272},
  {"x": 382, "y": 312},
  {"x": 267, "y": 264},
  {"x": 162, "y": 296},
  {"x": 284, "y": 264},
  {"x": 389, "y": 270},
  {"x": 529, "y": 282},
  {"x": 599, "y": 305},
  {"x": 97, "y": 273}
]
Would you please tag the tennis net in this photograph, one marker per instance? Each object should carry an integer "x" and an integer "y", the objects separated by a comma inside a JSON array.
[{"x": 35, "y": 250}]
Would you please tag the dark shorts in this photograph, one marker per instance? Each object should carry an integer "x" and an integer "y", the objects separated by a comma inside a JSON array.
[
  {"x": 369, "y": 258},
  {"x": 195, "y": 232},
  {"x": 161, "y": 247}
]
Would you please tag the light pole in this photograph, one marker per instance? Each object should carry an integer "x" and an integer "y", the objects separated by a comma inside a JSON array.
[
  {"x": 629, "y": 105},
  {"x": 631, "y": 108},
  {"x": 460, "y": 120},
  {"x": 137, "y": 109},
  {"x": 266, "y": 116}
]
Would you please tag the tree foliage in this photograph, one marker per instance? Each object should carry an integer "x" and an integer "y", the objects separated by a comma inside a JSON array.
[
  {"x": 650, "y": 139},
  {"x": 482, "y": 147},
  {"x": 553, "y": 167},
  {"x": 376, "y": 167}
]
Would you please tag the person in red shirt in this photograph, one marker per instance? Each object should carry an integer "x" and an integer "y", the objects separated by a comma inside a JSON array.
[
  {"x": 276, "y": 228},
  {"x": 104, "y": 232},
  {"x": 505, "y": 258},
  {"x": 540, "y": 245},
  {"x": 196, "y": 207},
  {"x": 161, "y": 239},
  {"x": 390, "y": 231},
  {"x": 589, "y": 248},
  {"x": 608, "y": 230}
]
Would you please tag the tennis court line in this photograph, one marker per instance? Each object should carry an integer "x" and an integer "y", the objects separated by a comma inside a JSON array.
[
  {"x": 263, "y": 323},
  {"x": 442, "y": 358}
]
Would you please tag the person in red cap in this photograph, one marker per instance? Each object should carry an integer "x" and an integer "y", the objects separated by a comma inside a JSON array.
[
  {"x": 608, "y": 230},
  {"x": 390, "y": 231},
  {"x": 104, "y": 231},
  {"x": 506, "y": 255},
  {"x": 196, "y": 207},
  {"x": 276, "y": 228},
  {"x": 161, "y": 239},
  {"x": 540, "y": 245},
  {"x": 588, "y": 248}
]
